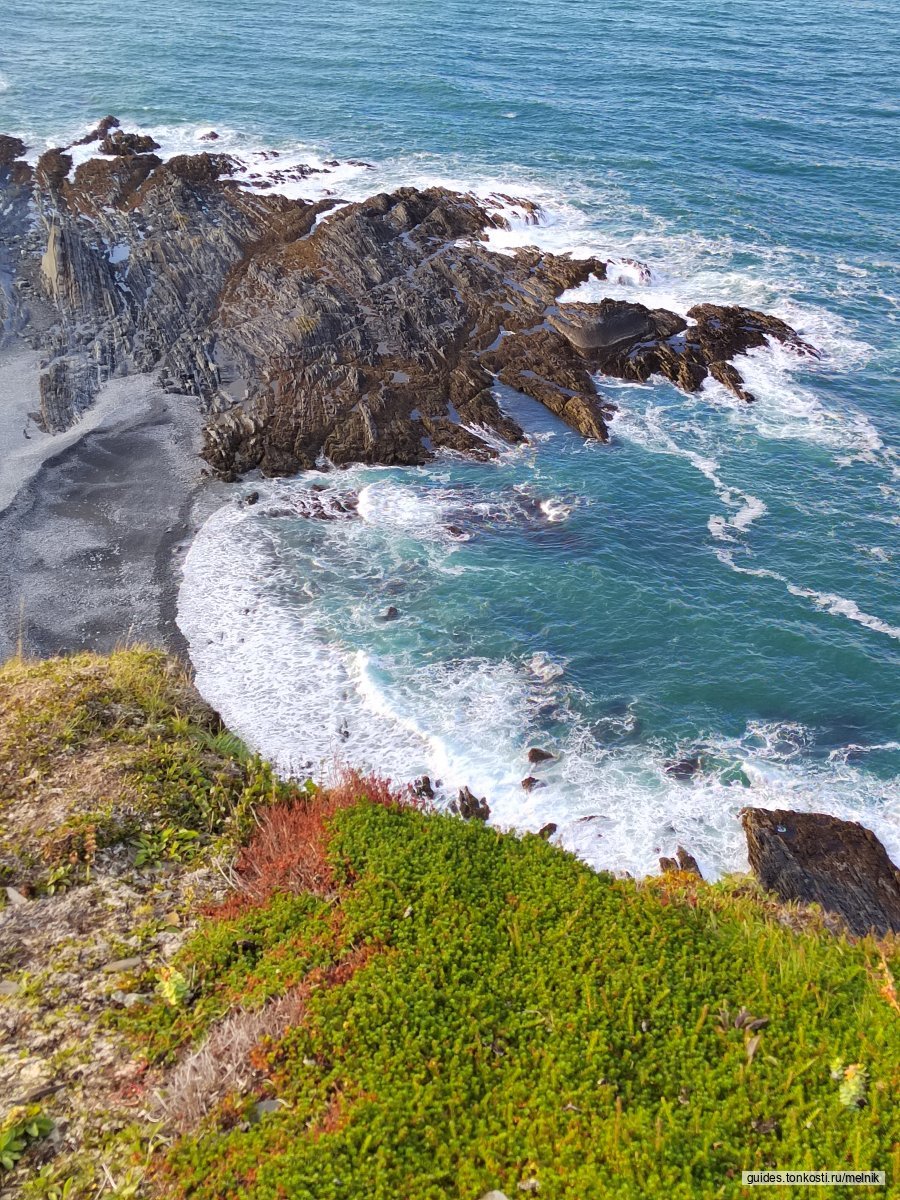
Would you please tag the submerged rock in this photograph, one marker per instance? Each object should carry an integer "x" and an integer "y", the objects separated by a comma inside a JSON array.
[
  {"x": 819, "y": 859},
  {"x": 683, "y": 768}
]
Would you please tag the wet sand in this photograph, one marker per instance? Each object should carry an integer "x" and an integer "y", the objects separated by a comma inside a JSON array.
[{"x": 94, "y": 522}]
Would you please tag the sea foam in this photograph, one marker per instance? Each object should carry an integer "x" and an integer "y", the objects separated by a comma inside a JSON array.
[{"x": 286, "y": 680}]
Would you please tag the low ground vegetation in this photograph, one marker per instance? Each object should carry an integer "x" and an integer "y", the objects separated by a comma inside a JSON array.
[{"x": 372, "y": 1000}]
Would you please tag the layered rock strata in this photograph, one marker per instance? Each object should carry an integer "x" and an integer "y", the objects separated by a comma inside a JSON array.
[
  {"x": 815, "y": 858},
  {"x": 367, "y": 332}
]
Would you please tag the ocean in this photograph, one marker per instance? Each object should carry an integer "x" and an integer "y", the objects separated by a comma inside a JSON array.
[{"x": 718, "y": 584}]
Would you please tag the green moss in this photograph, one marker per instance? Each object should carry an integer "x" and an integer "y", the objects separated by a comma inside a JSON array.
[{"x": 522, "y": 1018}]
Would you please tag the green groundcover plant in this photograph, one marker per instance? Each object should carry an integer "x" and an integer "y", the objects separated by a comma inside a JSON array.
[
  {"x": 484, "y": 1012},
  {"x": 395, "y": 1004}
]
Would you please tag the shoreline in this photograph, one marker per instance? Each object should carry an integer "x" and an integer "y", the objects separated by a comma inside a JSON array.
[{"x": 95, "y": 521}]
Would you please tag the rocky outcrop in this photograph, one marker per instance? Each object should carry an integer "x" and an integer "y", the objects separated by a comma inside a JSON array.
[
  {"x": 127, "y": 144},
  {"x": 470, "y": 807},
  {"x": 99, "y": 132},
  {"x": 815, "y": 858},
  {"x": 683, "y": 863},
  {"x": 15, "y": 222},
  {"x": 11, "y": 148},
  {"x": 370, "y": 332}
]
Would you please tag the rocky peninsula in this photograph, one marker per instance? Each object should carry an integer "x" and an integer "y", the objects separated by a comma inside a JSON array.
[
  {"x": 367, "y": 332},
  {"x": 164, "y": 322}
]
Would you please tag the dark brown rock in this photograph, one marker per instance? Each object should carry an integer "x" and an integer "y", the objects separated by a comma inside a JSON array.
[
  {"x": 683, "y": 862},
  {"x": 820, "y": 859},
  {"x": 469, "y": 807},
  {"x": 11, "y": 148},
  {"x": 529, "y": 783},
  {"x": 113, "y": 182},
  {"x": 683, "y": 768},
  {"x": 52, "y": 168},
  {"x": 725, "y": 330},
  {"x": 547, "y": 831},
  {"x": 629, "y": 341},
  {"x": 536, "y": 755},
  {"x": 125, "y": 144},
  {"x": 423, "y": 788},
  {"x": 212, "y": 136},
  {"x": 374, "y": 333},
  {"x": 98, "y": 132}
]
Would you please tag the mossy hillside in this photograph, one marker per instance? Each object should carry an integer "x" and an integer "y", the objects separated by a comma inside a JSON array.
[
  {"x": 96, "y": 750},
  {"x": 468, "y": 1010},
  {"x": 512, "y": 1018}
]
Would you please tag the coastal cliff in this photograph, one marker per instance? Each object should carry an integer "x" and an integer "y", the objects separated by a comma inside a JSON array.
[
  {"x": 370, "y": 332},
  {"x": 214, "y": 983}
]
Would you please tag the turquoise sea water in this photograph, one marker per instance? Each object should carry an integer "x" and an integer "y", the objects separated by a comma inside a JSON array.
[{"x": 722, "y": 580}]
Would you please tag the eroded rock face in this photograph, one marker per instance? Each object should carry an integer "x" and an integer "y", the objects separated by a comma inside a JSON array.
[
  {"x": 815, "y": 858},
  {"x": 370, "y": 332}
]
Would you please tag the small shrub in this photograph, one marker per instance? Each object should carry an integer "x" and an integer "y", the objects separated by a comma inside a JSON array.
[
  {"x": 172, "y": 987},
  {"x": 165, "y": 845}
]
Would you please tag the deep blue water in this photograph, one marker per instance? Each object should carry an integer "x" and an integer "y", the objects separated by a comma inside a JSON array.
[{"x": 722, "y": 579}]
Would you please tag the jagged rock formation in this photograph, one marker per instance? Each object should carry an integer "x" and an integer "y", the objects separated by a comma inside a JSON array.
[
  {"x": 15, "y": 200},
  {"x": 374, "y": 332},
  {"x": 682, "y": 862},
  {"x": 819, "y": 859},
  {"x": 470, "y": 807}
]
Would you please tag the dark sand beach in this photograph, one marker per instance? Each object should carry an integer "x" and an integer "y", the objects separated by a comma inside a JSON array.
[{"x": 93, "y": 521}]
